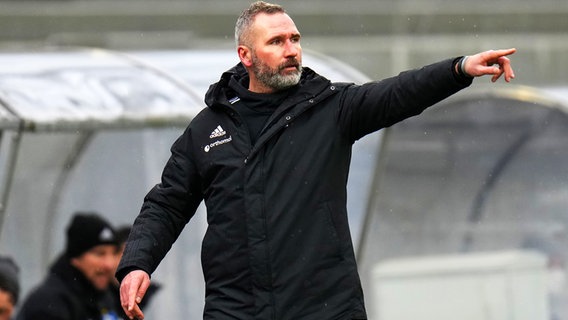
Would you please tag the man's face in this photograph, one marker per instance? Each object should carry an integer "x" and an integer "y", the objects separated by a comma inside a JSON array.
[
  {"x": 6, "y": 305},
  {"x": 98, "y": 264},
  {"x": 275, "y": 58}
]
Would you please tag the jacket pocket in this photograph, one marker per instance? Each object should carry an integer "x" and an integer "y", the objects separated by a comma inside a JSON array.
[{"x": 337, "y": 227}]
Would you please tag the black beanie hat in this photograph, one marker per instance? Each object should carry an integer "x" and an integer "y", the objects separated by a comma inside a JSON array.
[
  {"x": 87, "y": 230},
  {"x": 9, "y": 277}
]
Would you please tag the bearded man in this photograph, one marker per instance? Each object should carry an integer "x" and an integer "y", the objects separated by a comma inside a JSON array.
[{"x": 270, "y": 157}]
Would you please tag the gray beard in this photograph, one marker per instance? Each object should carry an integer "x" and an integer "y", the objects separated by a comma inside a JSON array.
[{"x": 272, "y": 78}]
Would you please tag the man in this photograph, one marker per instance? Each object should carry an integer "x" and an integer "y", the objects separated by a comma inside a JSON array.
[
  {"x": 270, "y": 158},
  {"x": 9, "y": 287},
  {"x": 77, "y": 287}
]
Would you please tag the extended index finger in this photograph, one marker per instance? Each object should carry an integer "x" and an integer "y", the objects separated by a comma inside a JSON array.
[{"x": 494, "y": 54}]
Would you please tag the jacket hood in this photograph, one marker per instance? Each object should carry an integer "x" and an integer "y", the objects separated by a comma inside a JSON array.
[{"x": 215, "y": 94}]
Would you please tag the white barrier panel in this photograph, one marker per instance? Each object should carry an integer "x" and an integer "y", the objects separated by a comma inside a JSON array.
[{"x": 481, "y": 286}]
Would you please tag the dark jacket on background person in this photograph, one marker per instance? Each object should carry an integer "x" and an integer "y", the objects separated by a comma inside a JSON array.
[
  {"x": 278, "y": 244},
  {"x": 67, "y": 295}
]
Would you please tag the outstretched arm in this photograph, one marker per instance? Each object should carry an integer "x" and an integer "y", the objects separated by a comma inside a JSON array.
[{"x": 492, "y": 62}]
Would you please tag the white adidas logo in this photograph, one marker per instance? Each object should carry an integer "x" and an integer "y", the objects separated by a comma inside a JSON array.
[{"x": 218, "y": 132}]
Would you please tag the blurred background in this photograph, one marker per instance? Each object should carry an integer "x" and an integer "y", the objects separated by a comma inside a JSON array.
[
  {"x": 459, "y": 213},
  {"x": 380, "y": 37}
]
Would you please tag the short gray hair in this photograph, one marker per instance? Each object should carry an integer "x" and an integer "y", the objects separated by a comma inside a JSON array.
[{"x": 245, "y": 20}]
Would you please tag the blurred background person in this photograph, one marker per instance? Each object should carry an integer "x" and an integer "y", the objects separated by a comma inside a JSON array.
[
  {"x": 77, "y": 286},
  {"x": 9, "y": 287}
]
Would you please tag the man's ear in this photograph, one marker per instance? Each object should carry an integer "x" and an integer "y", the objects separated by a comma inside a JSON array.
[{"x": 245, "y": 55}]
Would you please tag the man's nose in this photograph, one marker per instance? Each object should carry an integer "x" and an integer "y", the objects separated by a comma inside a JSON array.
[
  {"x": 109, "y": 262},
  {"x": 291, "y": 49}
]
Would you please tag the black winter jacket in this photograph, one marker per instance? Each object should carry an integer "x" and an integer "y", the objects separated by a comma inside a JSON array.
[
  {"x": 67, "y": 295},
  {"x": 278, "y": 244}
]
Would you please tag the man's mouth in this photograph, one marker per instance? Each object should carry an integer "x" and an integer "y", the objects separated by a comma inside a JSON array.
[{"x": 290, "y": 66}]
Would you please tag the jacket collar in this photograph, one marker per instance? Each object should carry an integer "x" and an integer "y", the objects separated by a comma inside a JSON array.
[{"x": 310, "y": 85}]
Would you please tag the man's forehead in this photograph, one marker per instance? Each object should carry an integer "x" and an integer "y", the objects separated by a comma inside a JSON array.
[
  {"x": 273, "y": 24},
  {"x": 103, "y": 248}
]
